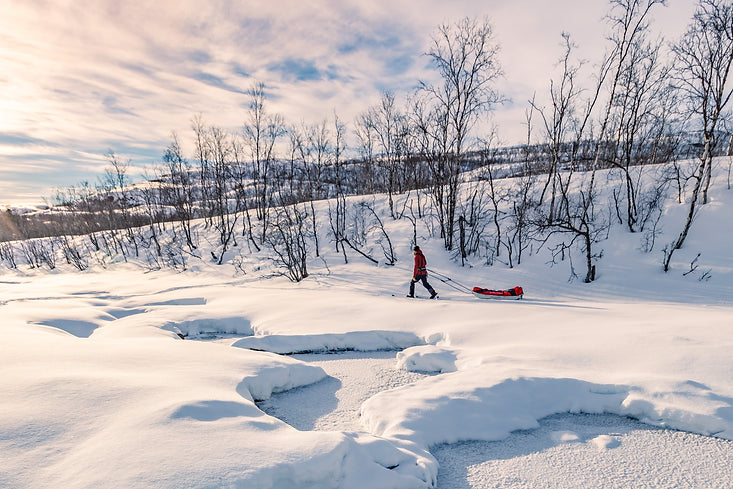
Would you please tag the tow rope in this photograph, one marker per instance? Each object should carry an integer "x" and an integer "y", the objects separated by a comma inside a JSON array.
[{"x": 451, "y": 283}]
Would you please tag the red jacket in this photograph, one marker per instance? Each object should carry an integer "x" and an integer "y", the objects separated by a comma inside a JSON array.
[{"x": 420, "y": 265}]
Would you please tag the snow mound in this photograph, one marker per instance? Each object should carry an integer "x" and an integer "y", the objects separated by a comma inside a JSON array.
[
  {"x": 78, "y": 328},
  {"x": 357, "y": 340},
  {"x": 564, "y": 436},
  {"x": 466, "y": 412},
  {"x": 279, "y": 378},
  {"x": 427, "y": 358},
  {"x": 605, "y": 442},
  {"x": 202, "y": 327}
]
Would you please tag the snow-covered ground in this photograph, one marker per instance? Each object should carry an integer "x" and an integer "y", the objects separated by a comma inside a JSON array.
[
  {"x": 98, "y": 390},
  {"x": 567, "y": 451},
  {"x": 578, "y": 451}
]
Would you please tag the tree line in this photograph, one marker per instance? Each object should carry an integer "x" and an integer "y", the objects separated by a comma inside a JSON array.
[{"x": 650, "y": 105}]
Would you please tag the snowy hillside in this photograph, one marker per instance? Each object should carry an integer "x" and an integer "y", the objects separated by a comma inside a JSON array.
[{"x": 99, "y": 389}]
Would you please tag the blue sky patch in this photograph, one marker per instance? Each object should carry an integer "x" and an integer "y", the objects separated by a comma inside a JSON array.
[
  {"x": 292, "y": 69},
  {"x": 198, "y": 56},
  {"x": 20, "y": 139},
  {"x": 215, "y": 81},
  {"x": 239, "y": 70},
  {"x": 111, "y": 106}
]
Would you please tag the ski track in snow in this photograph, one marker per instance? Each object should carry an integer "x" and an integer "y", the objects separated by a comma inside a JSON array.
[{"x": 567, "y": 451}]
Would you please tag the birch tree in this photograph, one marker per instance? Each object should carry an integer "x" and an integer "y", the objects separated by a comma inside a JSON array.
[
  {"x": 704, "y": 59},
  {"x": 465, "y": 55}
]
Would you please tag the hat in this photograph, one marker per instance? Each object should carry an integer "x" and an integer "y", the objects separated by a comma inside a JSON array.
[{"x": 416, "y": 248}]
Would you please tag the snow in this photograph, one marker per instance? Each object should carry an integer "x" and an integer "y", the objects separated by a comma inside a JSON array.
[
  {"x": 333, "y": 404},
  {"x": 429, "y": 358},
  {"x": 574, "y": 451},
  {"x": 99, "y": 389},
  {"x": 356, "y": 340}
]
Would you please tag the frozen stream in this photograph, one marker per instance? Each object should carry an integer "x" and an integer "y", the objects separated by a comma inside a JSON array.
[
  {"x": 333, "y": 404},
  {"x": 581, "y": 451},
  {"x": 565, "y": 452}
]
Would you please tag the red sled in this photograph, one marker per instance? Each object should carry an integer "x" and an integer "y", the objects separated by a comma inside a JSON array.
[{"x": 513, "y": 293}]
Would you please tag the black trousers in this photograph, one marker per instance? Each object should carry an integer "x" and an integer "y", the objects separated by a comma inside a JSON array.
[{"x": 424, "y": 280}]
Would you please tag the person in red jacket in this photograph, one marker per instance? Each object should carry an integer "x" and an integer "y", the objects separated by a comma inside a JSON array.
[{"x": 420, "y": 274}]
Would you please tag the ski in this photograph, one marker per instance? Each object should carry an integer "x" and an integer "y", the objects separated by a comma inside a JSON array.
[{"x": 419, "y": 297}]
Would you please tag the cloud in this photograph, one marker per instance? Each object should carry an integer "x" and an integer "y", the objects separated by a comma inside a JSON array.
[{"x": 81, "y": 77}]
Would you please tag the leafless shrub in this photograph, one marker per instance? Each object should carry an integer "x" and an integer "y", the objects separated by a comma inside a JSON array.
[
  {"x": 39, "y": 252},
  {"x": 287, "y": 238},
  {"x": 382, "y": 237},
  {"x": 74, "y": 256},
  {"x": 7, "y": 254}
]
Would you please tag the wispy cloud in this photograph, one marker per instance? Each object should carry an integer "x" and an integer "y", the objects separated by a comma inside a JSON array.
[{"x": 80, "y": 78}]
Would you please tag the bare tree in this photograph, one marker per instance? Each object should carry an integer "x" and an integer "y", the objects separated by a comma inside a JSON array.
[
  {"x": 560, "y": 123},
  {"x": 704, "y": 57},
  {"x": 203, "y": 157},
  {"x": 178, "y": 188},
  {"x": 465, "y": 55},
  {"x": 383, "y": 238},
  {"x": 287, "y": 237},
  {"x": 364, "y": 131},
  {"x": 154, "y": 215},
  {"x": 337, "y": 215},
  {"x": 214, "y": 149},
  {"x": 242, "y": 189},
  {"x": 639, "y": 119},
  {"x": 387, "y": 125},
  {"x": 570, "y": 208},
  {"x": 317, "y": 158},
  {"x": 474, "y": 218},
  {"x": 364, "y": 228},
  {"x": 118, "y": 200},
  {"x": 577, "y": 214},
  {"x": 225, "y": 216},
  {"x": 7, "y": 254},
  {"x": 521, "y": 228},
  {"x": 262, "y": 131},
  {"x": 432, "y": 134}
]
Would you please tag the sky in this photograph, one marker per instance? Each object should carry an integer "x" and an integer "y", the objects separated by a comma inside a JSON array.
[{"x": 81, "y": 79}]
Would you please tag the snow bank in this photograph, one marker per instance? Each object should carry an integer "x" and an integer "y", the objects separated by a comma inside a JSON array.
[
  {"x": 456, "y": 412},
  {"x": 163, "y": 413},
  {"x": 428, "y": 358},
  {"x": 459, "y": 410},
  {"x": 210, "y": 326},
  {"x": 357, "y": 340}
]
